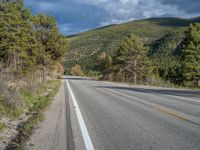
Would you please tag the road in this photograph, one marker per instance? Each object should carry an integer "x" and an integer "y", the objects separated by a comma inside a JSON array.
[{"x": 123, "y": 117}]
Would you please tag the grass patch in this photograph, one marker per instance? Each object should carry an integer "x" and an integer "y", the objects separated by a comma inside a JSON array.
[
  {"x": 2, "y": 126},
  {"x": 40, "y": 98},
  {"x": 196, "y": 88},
  {"x": 9, "y": 109},
  {"x": 45, "y": 96},
  {"x": 37, "y": 102}
]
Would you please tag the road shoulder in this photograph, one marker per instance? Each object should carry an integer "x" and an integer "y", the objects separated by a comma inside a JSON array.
[{"x": 50, "y": 134}]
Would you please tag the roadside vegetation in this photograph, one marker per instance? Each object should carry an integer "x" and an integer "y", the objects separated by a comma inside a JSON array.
[
  {"x": 32, "y": 53},
  {"x": 76, "y": 70},
  {"x": 37, "y": 102},
  {"x": 2, "y": 125},
  {"x": 160, "y": 52}
]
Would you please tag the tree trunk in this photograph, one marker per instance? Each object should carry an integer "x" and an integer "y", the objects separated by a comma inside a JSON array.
[
  {"x": 135, "y": 74},
  {"x": 33, "y": 82},
  {"x": 198, "y": 83},
  {"x": 135, "y": 78},
  {"x": 43, "y": 74},
  {"x": 14, "y": 55},
  {"x": 15, "y": 60},
  {"x": 40, "y": 76},
  {"x": 17, "y": 52}
]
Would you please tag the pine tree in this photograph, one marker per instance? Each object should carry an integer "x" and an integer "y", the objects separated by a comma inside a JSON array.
[
  {"x": 17, "y": 36},
  {"x": 28, "y": 45},
  {"x": 104, "y": 65},
  {"x": 131, "y": 58},
  {"x": 191, "y": 55},
  {"x": 52, "y": 45}
]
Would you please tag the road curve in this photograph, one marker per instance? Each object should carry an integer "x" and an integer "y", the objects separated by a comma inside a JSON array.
[{"x": 122, "y": 117}]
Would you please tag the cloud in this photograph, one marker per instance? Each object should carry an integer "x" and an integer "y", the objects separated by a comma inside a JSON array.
[
  {"x": 79, "y": 15},
  {"x": 189, "y": 6},
  {"x": 124, "y": 10}
]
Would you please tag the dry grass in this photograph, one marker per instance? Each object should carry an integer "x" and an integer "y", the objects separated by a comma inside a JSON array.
[
  {"x": 10, "y": 104},
  {"x": 2, "y": 126},
  {"x": 37, "y": 102},
  {"x": 76, "y": 70}
]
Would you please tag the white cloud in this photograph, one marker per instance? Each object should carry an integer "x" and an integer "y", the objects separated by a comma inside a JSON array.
[
  {"x": 79, "y": 15},
  {"x": 115, "y": 21},
  {"x": 125, "y": 10}
]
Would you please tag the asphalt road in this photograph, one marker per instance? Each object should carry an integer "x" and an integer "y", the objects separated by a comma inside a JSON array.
[{"x": 122, "y": 117}]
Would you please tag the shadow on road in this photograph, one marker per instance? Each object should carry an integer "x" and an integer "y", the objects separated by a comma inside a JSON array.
[
  {"x": 77, "y": 78},
  {"x": 183, "y": 93}
]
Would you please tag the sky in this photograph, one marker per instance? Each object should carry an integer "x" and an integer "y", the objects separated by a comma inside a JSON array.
[{"x": 74, "y": 16}]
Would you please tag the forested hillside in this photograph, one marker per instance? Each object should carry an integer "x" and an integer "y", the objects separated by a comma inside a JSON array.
[
  {"x": 30, "y": 46},
  {"x": 162, "y": 37},
  {"x": 31, "y": 57}
]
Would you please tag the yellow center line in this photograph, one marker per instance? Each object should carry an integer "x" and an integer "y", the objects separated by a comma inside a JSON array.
[
  {"x": 172, "y": 113},
  {"x": 156, "y": 106}
]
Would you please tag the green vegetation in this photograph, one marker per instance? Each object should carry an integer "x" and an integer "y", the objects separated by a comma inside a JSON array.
[
  {"x": 131, "y": 60},
  {"x": 9, "y": 110},
  {"x": 103, "y": 65},
  {"x": 41, "y": 97},
  {"x": 162, "y": 37},
  {"x": 191, "y": 56},
  {"x": 31, "y": 56},
  {"x": 2, "y": 126},
  {"x": 31, "y": 49},
  {"x": 76, "y": 70},
  {"x": 165, "y": 54},
  {"x": 37, "y": 103}
]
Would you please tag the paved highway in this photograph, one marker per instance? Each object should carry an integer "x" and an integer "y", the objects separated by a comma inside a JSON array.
[{"x": 108, "y": 116}]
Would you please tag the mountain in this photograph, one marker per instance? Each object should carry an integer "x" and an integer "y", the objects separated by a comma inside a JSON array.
[{"x": 85, "y": 47}]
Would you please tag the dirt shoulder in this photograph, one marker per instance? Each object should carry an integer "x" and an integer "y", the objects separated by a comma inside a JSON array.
[{"x": 50, "y": 134}]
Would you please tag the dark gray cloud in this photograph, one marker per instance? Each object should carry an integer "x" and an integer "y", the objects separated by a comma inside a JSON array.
[
  {"x": 189, "y": 6},
  {"x": 71, "y": 16},
  {"x": 79, "y": 15}
]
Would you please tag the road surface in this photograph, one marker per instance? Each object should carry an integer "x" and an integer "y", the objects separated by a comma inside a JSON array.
[{"x": 108, "y": 116}]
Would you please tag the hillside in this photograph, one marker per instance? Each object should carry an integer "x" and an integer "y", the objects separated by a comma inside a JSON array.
[{"x": 85, "y": 47}]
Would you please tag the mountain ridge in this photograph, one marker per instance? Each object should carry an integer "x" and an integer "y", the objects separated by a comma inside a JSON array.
[
  {"x": 108, "y": 38},
  {"x": 193, "y": 19}
]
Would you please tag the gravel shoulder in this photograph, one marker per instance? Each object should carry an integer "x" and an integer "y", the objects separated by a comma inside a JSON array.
[{"x": 51, "y": 134}]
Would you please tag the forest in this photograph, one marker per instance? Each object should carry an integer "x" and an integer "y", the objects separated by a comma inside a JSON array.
[
  {"x": 137, "y": 63},
  {"x": 31, "y": 47},
  {"x": 160, "y": 52},
  {"x": 32, "y": 52},
  {"x": 34, "y": 55}
]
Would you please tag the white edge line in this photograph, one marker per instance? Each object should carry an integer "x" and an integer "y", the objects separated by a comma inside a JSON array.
[{"x": 84, "y": 131}]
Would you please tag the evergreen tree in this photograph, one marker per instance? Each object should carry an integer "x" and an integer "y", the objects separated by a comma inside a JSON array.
[
  {"x": 191, "y": 55},
  {"x": 52, "y": 45},
  {"x": 104, "y": 65},
  {"x": 104, "y": 62},
  {"x": 27, "y": 43},
  {"x": 17, "y": 38},
  {"x": 131, "y": 58}
]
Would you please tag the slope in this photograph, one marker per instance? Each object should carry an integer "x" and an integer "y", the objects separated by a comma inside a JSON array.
[{"x": 85, "y": 47}]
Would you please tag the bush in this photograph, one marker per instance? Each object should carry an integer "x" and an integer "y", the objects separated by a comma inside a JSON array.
[
  {"x": 9, "y": 109},
  {"x": 2, "y": 126},
  {"x": 76, "y": 70}
]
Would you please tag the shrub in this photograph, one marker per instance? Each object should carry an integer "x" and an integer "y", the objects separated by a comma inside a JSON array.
[{"x": 76, "y": 70}]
